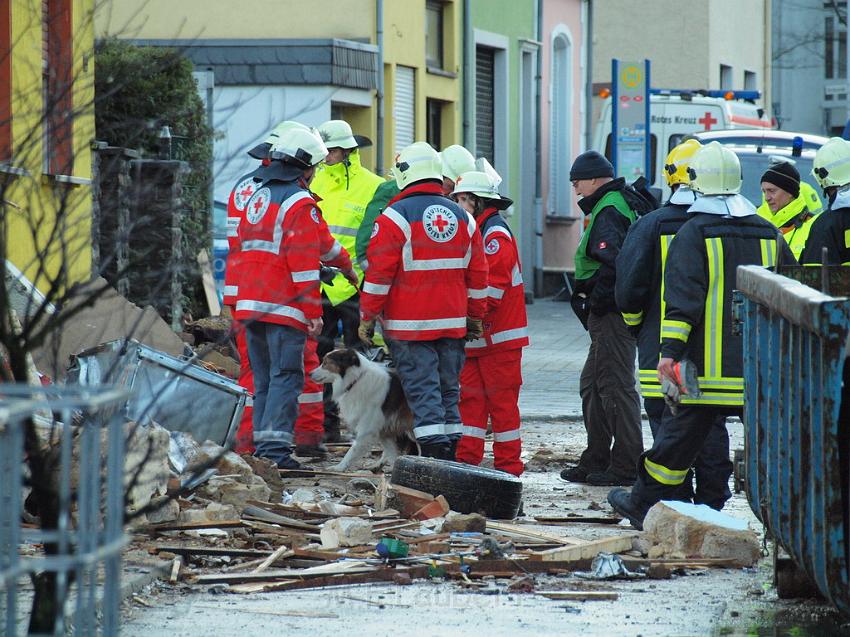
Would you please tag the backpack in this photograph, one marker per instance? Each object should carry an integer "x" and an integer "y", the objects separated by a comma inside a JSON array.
[{"x": 639, "y": 198}]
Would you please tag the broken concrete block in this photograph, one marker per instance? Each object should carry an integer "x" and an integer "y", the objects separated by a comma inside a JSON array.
[
  {"x": 464, "y": 523},
  {"x": 269, "y": 472},
  {"x": 219, "y": 511},
  {"x": 679, "y": 529},
  {"x": 238, "y": 494},
  {"x": 345, "y": 532},
  {"x": 303, "y": 495},
  {"x": 168, "y": 511},
  {"x": 193, "y": 516}
]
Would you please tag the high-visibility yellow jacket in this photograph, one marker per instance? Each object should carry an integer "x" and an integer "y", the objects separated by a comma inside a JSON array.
[
  {"x": 795, "y": 220},
  {"x": 345, "y": 191}
]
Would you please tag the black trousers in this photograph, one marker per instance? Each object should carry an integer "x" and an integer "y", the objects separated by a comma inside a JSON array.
[
  {"x": 679, "y": 441},
  {"x": 347, "y": 313},
  {"x": 712, "y": 467},
  {"x": 610, "y": 403}
]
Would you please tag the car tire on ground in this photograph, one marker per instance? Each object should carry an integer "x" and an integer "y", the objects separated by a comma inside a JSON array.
[{"x": 467, "y": 488}]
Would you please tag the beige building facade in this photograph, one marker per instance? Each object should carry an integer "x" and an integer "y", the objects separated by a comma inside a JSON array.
[{"x": 694, "y": 44}]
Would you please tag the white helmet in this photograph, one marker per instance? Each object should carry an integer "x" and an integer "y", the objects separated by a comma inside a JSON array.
[
  {"x": 482, "y": 184},
  {"x": 715, "y": 170},
  {"x": 262, "y": 150},
  {"x": 456, "y": 161},
  {"x": 336, "y": 133},
  {"x": 831, "y": 166},
  {"x": 301, "y": 147},
  {"x": 415, "y": 163}
]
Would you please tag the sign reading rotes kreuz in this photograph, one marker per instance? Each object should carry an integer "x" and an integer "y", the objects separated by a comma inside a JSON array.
[
  {"x": 243, "y": 193},
  {"x": 440, "y": 223},
  {"x": 258, "y": 205}
]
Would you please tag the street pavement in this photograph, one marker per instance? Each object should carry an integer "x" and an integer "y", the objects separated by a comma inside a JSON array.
[{"x": 551, "y": 364}]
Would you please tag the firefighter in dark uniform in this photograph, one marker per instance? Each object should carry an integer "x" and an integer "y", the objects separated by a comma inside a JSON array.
[
  {"x": 723, "y": 233},
  {"x": 831, "y": 230},
  {"x": 610, "y": 403},
  {"x": 639, "y": 290}
]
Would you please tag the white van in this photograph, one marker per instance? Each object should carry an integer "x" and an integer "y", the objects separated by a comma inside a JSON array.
[{"x": 675, "y": 114}]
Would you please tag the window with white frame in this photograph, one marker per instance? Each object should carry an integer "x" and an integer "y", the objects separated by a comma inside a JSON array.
[{"x": 561, "y": 124}]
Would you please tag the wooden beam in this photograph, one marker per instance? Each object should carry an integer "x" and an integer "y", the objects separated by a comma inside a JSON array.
[
  {"x": 209, "y": 550},
  {"x": 517, "y": 530},
  {"x": 587, "y": 550},
  {"x": 579, "y": 596}
]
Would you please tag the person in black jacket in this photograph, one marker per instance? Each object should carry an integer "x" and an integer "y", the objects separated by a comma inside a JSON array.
[
  {"x": 696, "y": 331},
  {"x": 640, "y": 271},
  {"x": 831, "y": 230},
  {"x": 610, "y": 404}
]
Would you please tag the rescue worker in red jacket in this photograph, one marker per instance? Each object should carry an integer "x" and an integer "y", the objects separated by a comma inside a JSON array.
[
  {"x": 309, "y": 424},
  {"x": 492, "y": 375},
  {"x": 427, "y": 281},
  {"x": 278, "y": 277},
  {"x": 245, "y": 186}
]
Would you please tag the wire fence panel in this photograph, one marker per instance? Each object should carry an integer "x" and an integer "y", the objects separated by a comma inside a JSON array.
[{"x": 79, "y": 433}]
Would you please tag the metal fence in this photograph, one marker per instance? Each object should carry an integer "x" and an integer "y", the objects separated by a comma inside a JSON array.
[
  {"x": 85, "y": 428},
  {"x": 797, "y": 432}
]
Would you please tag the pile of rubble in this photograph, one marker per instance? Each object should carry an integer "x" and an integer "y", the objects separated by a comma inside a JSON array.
[{"x": 247, "y": 527}]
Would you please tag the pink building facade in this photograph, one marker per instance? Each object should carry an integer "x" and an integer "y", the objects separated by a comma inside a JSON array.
[{"x": 563, "y": 131}]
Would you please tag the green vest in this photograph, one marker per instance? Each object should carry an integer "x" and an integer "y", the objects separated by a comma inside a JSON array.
[{"x": 585, "y": 266}]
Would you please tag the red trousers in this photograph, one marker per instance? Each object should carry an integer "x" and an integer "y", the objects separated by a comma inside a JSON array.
[
  {"x": 309, "y": 428},
  {"x": 245, "y": 433},
  {"x": 489, "y": 390}
]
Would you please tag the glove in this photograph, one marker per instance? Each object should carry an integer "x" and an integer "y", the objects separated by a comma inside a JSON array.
[
  {"x": 672, "y": 394},
  {"x": 352, "y": 277},
  {"x": 327, "y": 274},
  {"x": 581, "y": 306},
  {"x": 474, "y": 328},
  {"x": 366, "y": 330}
]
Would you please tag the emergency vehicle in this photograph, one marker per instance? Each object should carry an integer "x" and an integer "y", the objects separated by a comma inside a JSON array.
[{"x": 676, "y": 113}]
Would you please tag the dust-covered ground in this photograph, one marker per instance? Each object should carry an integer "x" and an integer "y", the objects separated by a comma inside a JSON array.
[{"x": 712, "y": 602}]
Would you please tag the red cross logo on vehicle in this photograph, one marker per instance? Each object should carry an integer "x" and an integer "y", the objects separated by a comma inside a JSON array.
[{"x": 707, "y": 120}]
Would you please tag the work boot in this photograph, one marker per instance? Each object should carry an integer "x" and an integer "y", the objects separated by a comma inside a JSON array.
[
  {"x": 440, "y": 450},
  {"x": 575, "y": 474},
  {"x": 621, "y": 501},
  {"x": 453, "y": 442},
  {"x": 311, "y": 451},
  {"x": 332, "y": 427},
  {"x": 608, "y": 479}
]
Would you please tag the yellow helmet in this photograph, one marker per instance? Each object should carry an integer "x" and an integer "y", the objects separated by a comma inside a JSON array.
[
  {"x": 678, "y": 160},
  {"x": 715, "y": 170},
  {"x": 831, "y": 166}
]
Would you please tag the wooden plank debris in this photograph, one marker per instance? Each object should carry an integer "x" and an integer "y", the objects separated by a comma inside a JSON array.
[
  {"x": 518, "y": 531},
  {"x": 175, "y": 569},
  {"x": 212, "y": 551},
  {"x": 587, "y": 550},
  {"x": 281, "y": 553},
  {"x": 579, "y": 596}
]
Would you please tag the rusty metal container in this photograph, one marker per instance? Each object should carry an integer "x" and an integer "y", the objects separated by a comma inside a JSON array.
[{"x": 797, "y": 427}]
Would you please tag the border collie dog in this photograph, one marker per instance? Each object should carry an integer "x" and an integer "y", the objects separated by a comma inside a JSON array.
[{"x": 371, "y": 403}]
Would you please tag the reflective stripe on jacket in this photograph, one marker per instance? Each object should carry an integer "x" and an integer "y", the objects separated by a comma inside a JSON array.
[
  {"x": 698, "y": 281},
  {"x": 279, "y": 263},
  {"x": 505, "y": 322},
  {"x": 427, "y": 270}
]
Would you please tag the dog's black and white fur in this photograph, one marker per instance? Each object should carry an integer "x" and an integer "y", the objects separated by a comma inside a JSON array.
[{"x": 371, "y": 403}]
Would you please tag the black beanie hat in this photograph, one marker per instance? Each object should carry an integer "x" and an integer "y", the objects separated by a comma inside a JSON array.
[
  {"x": 784, "y": 175},
  {"x": 589, "y": 165}
]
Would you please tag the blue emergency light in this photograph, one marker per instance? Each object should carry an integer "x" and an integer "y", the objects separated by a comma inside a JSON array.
[
  {"x": 796, "y": 146},
  {"x": 725, "y": 94}
]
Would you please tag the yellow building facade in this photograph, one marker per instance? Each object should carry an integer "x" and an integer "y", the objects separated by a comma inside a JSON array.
[
  {"x": 396, "y": 30},
  {"x": 46, "y": 131}
]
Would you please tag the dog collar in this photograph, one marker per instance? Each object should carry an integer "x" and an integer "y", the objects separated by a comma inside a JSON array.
[{"x": 353, "y": 383}]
